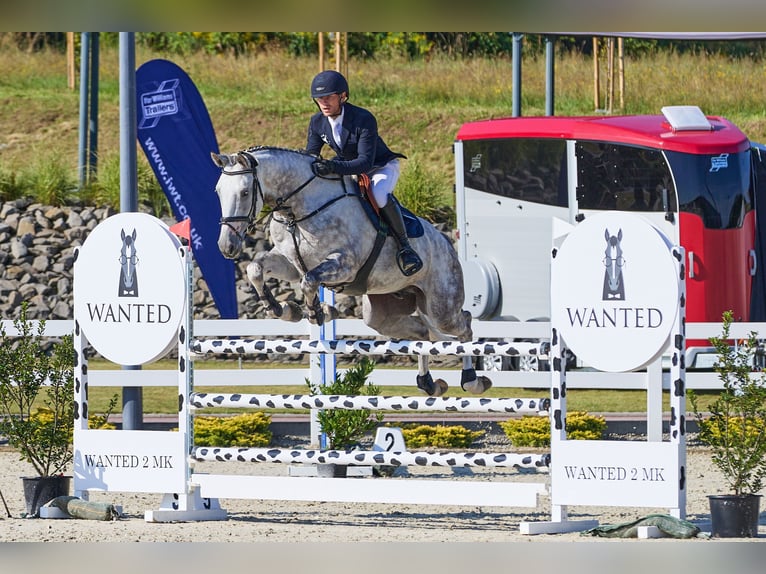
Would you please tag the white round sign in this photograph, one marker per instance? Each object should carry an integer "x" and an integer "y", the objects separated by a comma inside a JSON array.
[
  {"x": 130, "y": 288},
  {"x": 615, "y": 291}
]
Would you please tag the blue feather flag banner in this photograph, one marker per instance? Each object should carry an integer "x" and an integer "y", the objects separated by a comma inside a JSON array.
[{"x": 177, "y": 136}]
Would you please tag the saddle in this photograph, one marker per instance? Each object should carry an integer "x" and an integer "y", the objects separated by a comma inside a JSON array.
[{"x": 411, "y": 223}]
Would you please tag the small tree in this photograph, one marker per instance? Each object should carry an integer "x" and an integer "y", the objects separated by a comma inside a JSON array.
[
  {"x": 736, "y": 426},
  {"x": 344, "y": 428},
  {"x": 37, "y": 396}
]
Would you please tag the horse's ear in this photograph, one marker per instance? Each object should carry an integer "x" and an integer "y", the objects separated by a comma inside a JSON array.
[
  {"x": 242, "y": 160},
  {"x": 219, "y": 160}
]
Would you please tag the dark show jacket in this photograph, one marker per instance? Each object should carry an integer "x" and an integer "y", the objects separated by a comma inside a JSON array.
[{"x": 362, "y": 149}]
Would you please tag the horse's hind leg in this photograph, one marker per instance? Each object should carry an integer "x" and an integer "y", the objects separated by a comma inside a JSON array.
[
  {"x": 426, "y": 382},
  {"x": 469, "y": 382},
  {"x": 443, "y": 307},
  {"x": 392, "y": 316}
]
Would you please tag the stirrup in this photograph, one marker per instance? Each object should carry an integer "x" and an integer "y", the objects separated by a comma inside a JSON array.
[{"x": 409, "y": 262}]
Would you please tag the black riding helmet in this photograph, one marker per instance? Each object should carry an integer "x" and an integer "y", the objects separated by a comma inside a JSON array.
[{"x": 328, "y": 82}]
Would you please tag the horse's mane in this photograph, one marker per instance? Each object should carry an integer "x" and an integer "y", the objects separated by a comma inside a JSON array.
[{"x": 258, "y": 148}]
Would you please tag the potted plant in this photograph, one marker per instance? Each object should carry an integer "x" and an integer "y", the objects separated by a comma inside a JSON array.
[
  {"x": 735, "y": 429},
  {"x": 37, "y": 406},
  {"x": 345, "y": 428}
]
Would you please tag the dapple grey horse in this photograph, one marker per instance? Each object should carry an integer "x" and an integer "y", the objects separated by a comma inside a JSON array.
[{"x": 322, "y": 236}]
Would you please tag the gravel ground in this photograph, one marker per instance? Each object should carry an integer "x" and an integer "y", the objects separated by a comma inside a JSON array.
[{"x": 409, "y": 537}]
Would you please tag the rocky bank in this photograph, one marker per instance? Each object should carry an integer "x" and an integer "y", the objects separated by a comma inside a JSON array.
[{"x": 37, "y": 244}]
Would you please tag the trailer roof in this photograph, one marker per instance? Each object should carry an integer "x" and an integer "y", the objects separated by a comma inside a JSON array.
[{"x": 651, "y": 131}]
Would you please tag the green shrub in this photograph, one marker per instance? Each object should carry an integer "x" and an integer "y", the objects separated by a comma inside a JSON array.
[
  {"x": 245, "y": 430},
  {"x": 345, "y": 428},
  {"x": 51, "y": 182},
  {"x": 528, "y": 431},
  {"x": 535, "y": 431},
  {"x": 10, "y": 186},
  {"x": 423, "y": 194},
  {"x": 438, "y": 436},
  {"x": 735, "y": 427}
]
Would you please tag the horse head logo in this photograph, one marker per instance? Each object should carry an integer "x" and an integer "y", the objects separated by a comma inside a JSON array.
[
  {"x": 128, "y": 286},
  {"x": 614, "y": 287}
]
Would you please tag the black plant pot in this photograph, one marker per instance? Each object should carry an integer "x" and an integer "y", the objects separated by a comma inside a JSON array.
[
  {"x": 39, "y": 490},
  {"x": 734, "y": 516}
]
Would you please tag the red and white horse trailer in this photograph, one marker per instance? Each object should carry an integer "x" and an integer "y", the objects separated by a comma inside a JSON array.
[{"x": 693, "y": 176}]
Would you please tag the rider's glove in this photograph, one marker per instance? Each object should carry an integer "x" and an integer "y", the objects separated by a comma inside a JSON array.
[{"x": 323, "y": 167}]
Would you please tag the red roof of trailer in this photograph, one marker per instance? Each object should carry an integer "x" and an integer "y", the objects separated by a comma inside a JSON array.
[{"x": 651, "y": 131}]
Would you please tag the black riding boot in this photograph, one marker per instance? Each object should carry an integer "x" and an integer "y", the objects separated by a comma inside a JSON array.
[{"x": 409, "y": 261}]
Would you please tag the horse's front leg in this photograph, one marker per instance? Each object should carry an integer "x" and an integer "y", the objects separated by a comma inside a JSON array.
[
  {"x": 273, "y": 264},
  {"x": 330, "y": 272}
]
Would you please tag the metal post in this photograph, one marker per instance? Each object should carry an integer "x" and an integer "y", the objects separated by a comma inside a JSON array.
[
  {"x": 517, "y": 37},
  {"x": 93, "y": 123},
  {"x": 132, "y": 398},
  {"x": 550, "y": 54},
  {"x": 84, "y": 76}
]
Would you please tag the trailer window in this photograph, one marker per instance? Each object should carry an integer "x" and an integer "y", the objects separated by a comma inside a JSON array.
[
  {"x": 621, "y": 177},
  {"x": 525, "y": 169},
  {"x": 715, "y": 187}
]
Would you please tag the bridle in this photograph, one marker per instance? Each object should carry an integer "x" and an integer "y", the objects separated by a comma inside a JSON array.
[
  {"x": 250, "y": 218},
  {"x": 280, "y": 203}
]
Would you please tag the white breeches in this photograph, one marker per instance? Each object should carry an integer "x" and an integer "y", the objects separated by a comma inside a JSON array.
[{"x": 383, "y": 180}]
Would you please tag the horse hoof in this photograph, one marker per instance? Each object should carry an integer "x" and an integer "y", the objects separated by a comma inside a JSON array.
[
  {"x": 478, "y": 386},
  {"x": 441, "y": 387},
  {"x": 316, "y": 316},
  {"x": 430, "y": 387},
  {"x": 291, "y": 312},
  {"x": 330, "y": 312}
]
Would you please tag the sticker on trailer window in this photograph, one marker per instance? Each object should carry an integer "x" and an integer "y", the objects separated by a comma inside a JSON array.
[
  {"x": 719, "y": 162},
  {"x": 476, "y": 163}
]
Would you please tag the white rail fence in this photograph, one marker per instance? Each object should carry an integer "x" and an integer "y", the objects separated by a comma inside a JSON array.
[{"x": 251, "y": 373}]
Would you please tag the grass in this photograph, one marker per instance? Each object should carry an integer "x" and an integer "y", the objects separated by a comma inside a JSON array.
[
  {"x": 162, "y": 400},
  {"x": 420, "y": 104}
]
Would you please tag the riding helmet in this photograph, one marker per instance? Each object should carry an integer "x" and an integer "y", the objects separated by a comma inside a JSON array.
[{"x": 328, "y": 82}]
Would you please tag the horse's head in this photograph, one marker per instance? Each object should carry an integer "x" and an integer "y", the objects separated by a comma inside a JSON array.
[
  {"x": 241, "y": 199},
  {"x": 253, "y": 178}
]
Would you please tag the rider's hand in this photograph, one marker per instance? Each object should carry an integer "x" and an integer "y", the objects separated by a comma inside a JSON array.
[{"x": 323, "y": 167}]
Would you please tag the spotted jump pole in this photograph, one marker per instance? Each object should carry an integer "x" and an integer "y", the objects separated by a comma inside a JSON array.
[
  {"x": 372, "y": 403},
  {"x": 246, "y": 346},
  {"x": 373, "y": 458}
]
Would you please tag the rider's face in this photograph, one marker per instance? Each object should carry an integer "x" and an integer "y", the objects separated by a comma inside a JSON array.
[{"x": 330, "y": 104}]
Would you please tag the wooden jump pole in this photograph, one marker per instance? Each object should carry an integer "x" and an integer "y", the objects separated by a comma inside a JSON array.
[
  {"x": 596, "y": 79},
  {"x": 70, "y": 70},
  {"x": 321, "y": 51}
]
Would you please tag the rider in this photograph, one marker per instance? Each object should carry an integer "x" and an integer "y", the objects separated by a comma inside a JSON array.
[{"x": 352, "y": 133}]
